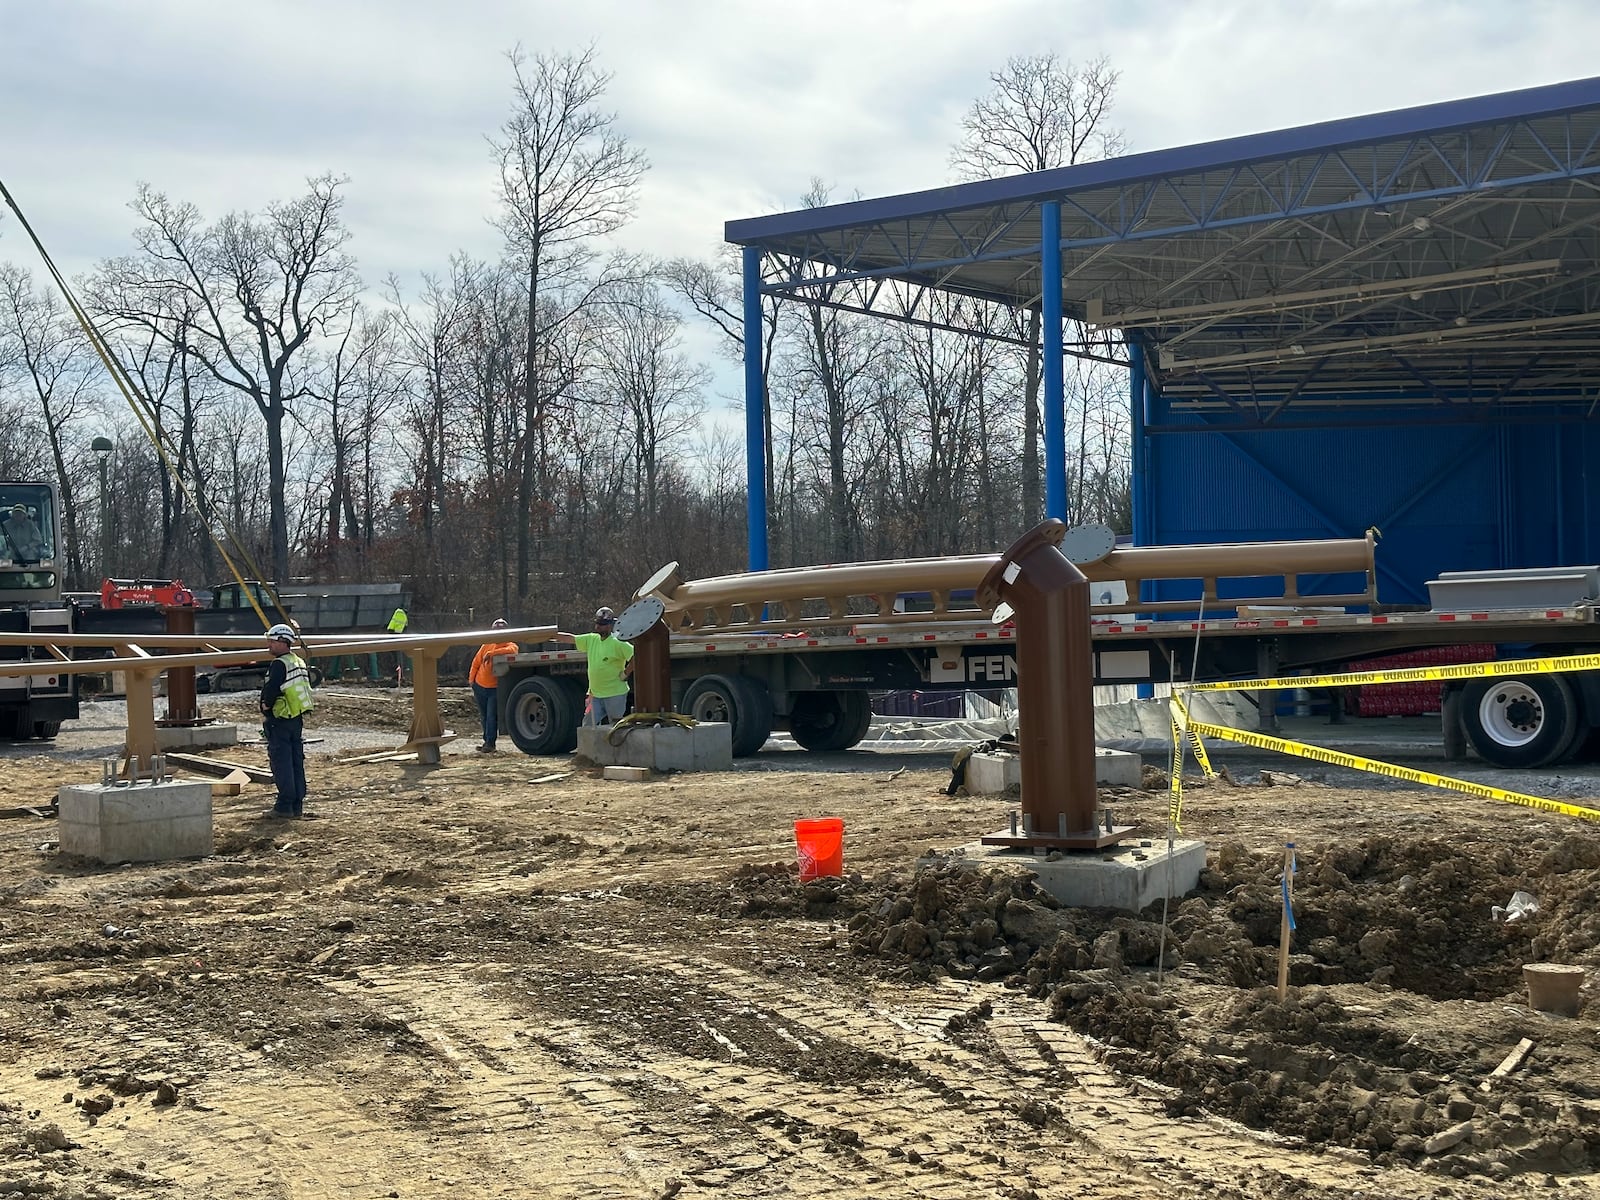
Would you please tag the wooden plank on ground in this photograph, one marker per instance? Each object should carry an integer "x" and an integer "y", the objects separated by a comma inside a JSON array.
[
  {"x": 220, "y": 767},
  {"x": 552, "y": 778},
  {"x": 371, "y": 756},
  {"x": 1509, "y": 1063}
]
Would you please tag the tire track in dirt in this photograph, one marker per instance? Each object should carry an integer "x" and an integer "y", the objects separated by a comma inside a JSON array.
[
  {"x": 1045, "y": 1061},
  {"x": 735, "y": 1127},
  {"x": 561, "y": 1132}
]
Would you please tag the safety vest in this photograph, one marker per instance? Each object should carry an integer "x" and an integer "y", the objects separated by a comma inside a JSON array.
[
  {"x": 397, "y": 623},
  {"x": 295, "y": 697}
]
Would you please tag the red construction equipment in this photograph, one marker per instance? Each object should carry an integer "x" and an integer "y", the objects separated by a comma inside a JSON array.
[{"x": 128, "y": 593}]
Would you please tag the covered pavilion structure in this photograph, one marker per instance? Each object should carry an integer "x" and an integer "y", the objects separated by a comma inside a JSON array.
[{"x": 1389, "y": 320}]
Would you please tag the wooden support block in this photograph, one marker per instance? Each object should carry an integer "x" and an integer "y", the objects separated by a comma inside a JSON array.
[
  {"x": 628, "y": 774},
  {"x": 224, "y": 787}
]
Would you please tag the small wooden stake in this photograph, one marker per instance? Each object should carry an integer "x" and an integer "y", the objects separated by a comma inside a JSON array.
[{"x": 1283, "y": 928}]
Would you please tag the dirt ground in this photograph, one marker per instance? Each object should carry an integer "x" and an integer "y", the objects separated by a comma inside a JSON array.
[{"x": 457, "y": 981}]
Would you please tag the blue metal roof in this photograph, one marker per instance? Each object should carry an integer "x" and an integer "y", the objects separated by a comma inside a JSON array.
[
  {"x": 1447, "y": 254},
  {"x": 1251, "y": 149}
]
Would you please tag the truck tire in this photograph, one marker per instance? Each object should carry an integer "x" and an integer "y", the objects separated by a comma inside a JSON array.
[
  {"x": 1522, "y": 721},
  {"x": 46, "y": 729},
  {"x": 541, "y": 717},
  {"x": 827, "y": 721},
  {"x": 739, "y": 700}
]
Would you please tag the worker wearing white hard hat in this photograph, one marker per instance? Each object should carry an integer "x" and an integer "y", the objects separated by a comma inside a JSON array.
[{"x": 285, "y": 699}]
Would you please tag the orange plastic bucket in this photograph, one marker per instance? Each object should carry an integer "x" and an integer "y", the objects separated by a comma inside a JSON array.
[{"x": 820, "y": 841}]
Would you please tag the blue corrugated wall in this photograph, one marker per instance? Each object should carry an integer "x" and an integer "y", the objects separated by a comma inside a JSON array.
[{"x": 1446, "y": 496}]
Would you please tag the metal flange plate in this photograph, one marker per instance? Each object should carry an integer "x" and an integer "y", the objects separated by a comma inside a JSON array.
[
  {"x": 638, "y": 617},
  {"x": 1088, "y": 543}
]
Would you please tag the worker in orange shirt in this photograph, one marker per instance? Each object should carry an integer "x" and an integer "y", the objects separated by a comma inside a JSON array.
[{"x": 485, "y": 685}]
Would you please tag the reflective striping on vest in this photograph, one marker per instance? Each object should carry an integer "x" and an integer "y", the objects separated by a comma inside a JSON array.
[{"x": 295, "y": 697}]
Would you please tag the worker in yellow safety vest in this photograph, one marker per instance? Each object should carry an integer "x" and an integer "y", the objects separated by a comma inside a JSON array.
[
  {"x": 397, "y": 624},
  {"x": 285, "y": 699}
]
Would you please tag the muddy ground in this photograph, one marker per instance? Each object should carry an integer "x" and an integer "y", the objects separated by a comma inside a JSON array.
[{"x": 456, "y": 981}]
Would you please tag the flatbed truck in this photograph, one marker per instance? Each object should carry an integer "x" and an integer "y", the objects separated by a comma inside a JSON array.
[{"x": 817, "y": 687}]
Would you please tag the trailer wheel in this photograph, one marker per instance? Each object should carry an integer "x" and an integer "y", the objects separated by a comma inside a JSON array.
[
  {"x": 46, "y": 729},
  {"x": 541, "y": 717},
  {"x": 1526, "y": 721},
  {"x": 826, "y": 721},
  {"x": 738, "y": 700}
]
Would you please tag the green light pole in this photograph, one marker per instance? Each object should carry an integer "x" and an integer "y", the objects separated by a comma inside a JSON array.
[{"x": 102, "y": 447}]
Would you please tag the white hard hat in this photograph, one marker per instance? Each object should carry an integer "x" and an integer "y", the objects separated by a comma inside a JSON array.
[
  {"x": 280, "y": 633},
  {"x": 498, "y": 623}
]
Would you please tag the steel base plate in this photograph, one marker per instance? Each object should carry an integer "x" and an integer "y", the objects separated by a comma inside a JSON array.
[{"x": 1086, "y": 839}]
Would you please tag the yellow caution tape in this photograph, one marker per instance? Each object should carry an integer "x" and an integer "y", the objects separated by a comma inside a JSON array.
[
  {"x": 1509, "y": 666},
  {"x": 1181, "y": 712},
  {"x": 1337, "y": 758},
  {"x": 1175, "y": 780}
]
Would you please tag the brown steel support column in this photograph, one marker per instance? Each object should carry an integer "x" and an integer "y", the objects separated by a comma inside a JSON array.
[
  {"x": 183, "y": 705},
  {"x": 652, "y": 670},
  {"x": 1055, "y": 692}
]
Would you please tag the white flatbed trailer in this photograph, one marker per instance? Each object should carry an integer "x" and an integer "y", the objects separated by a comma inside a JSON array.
[{"x": 816, "y": 685}]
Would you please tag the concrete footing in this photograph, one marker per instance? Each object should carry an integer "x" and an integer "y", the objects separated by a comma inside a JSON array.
[
  {"x": 1130, "y": 876},
  {"x": 992, "y": 774},
  {"x": 196, "y": 737},
  {"x": 706, "y": 747},
  {"x": 139, "y": 823}
]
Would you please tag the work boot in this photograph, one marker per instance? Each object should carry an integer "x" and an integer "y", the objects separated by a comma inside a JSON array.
[{"x": 485, "y": 749}]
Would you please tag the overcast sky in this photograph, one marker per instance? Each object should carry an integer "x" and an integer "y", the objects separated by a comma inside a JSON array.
[{"x": 737, "y": 103}]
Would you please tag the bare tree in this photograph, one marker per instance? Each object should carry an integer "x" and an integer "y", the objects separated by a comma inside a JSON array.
[
  {"x": 716, "y": 295},
  {"x": 656, "y": 389},
  {"x": 257, "y": 291},
  {"x": 1041, "y": 113},
  {"x": 567, "y": 178},
  {"x": 52, "y": 359}
]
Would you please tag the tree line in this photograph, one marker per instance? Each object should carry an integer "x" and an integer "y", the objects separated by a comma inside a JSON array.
[{"x": 529, "y": 435}]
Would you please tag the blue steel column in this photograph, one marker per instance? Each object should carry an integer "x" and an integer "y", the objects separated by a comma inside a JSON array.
[
  {"x": 755, "y": 413},
  {"x": 1138, "y": 485},
  {"x": 1055, "y": 413},
  {"x": 1139, "y": 497}
]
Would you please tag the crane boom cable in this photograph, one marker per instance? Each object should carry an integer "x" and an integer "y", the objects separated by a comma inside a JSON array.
[{"x": 142, "y": 410}]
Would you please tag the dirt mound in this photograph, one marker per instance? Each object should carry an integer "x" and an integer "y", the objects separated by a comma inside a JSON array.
[{"x": 1336, "y": 1064}]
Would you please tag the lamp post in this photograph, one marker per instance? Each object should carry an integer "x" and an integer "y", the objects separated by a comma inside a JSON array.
[{"x": 102, "y": 447}]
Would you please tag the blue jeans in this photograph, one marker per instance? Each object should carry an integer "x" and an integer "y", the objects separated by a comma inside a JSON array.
[
  {"x": 286, "y": 752},
  {"x": 488, "y": 711},
  {"x": 606, "y": 710}
]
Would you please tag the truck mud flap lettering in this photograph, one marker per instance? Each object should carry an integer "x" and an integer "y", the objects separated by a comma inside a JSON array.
[{"x": 975, "y": 666}]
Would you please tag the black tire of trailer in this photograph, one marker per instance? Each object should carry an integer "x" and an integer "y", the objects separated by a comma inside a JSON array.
[
  {"x": 46, "y": 729},
  {"x": 829, "y": 721},
  {"x": 739, "y": 700},
  {"x": 542, "y": 713},
  {"x": 1522, "y": 720}
]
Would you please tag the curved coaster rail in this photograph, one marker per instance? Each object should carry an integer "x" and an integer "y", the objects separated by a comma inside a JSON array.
[{"x": 942, "y": 588}]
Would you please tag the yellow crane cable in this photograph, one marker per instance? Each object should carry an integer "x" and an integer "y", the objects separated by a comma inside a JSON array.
[{"x": 140, "y": 406}]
